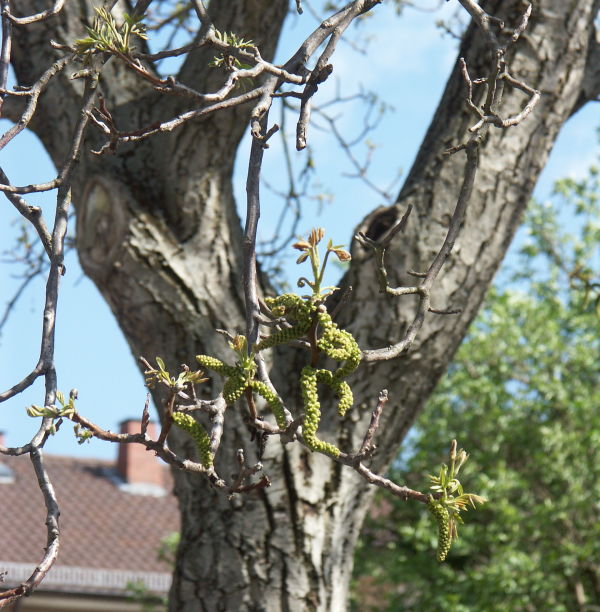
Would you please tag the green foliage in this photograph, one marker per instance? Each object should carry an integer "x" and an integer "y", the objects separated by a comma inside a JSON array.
[
  {"x": 66, "y": 409},
  {"x": 168, "y": 548},
  {"x": 523, "y": 394},
  {"x": 138, "y": 592},
  {"x": 227, "y": 61},
  {"x": 156, "y": 376},
  {"x": 105, "y": 35},
  {"x": 450, "y": 500}
]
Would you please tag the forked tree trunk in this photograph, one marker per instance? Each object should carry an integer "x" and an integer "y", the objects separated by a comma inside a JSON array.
[{"x": 158, "y": 232}]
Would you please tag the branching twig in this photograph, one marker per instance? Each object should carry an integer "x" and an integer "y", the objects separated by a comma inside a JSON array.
[
  {"x": 58, "y": 4},
  {"x": 4, "y": 48},
  {"x": 77, "y": 139},
  {"x": 367, "y": 445},
  {"x": 33, "y": 214},
  {"x": 34, "y": 94},
  {"x": 52, "y": 530},
  {"x": 487, "y": 116}
]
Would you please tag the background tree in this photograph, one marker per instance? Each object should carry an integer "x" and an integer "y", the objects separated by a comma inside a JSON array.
[
  {"x": 523, "y": 395},
  {"x": 158, "y": 232}
]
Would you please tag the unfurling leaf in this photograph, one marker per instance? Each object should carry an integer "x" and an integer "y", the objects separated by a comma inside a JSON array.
[
  {"x": 301, "y": 245},
  {"x": 342, "y": 255},
  {"x": 316, "y": 235}
]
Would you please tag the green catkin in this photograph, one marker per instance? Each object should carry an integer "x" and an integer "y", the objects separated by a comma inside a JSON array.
[
  {"x": 279, "y": 337},
  {"x": 272, "y": 400},
  {"x": 296, "y": 311},
  {"x": 237, "y": 379},
  {"x": 442, "y": 517},
  {"x": 340, "y": 387},
  {"x": 312, "y": 411},
  {"x": 212, "y": 363},
  {"x": 234, "y": 387},
  {"x": 198, "y": 433},
  {"x": 339, "y": 345},
  {"x": 344, "y": 393},
  {"x": 336, "y": 343}
]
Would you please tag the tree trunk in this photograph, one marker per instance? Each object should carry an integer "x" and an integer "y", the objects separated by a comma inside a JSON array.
[{"x": 158, "y": 232}]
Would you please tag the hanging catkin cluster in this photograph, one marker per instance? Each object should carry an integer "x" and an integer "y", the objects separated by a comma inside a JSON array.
[
  {"x": 340, "y": 345},
  {"x": 297, "y": 313},
  {"x": 238, "y": 379},
  {"x": 300, "y": 314},
  {"x": 442, "y": 518}
]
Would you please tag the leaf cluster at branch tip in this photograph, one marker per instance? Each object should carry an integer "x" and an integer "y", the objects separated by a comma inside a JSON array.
[
  {"x": 227, "y": 61},
  {"x": 450, "y": 500},
  {"x": 105, "y": 35}
]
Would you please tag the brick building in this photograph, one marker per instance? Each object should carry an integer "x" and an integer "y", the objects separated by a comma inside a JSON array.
[{"x": 114, "y": 518}]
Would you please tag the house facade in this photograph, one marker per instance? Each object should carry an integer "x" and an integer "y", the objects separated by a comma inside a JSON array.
[{"x": 115, "y": 519}]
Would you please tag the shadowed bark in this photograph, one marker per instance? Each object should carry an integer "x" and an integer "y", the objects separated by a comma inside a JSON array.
[{"x": 158, "y": 232}]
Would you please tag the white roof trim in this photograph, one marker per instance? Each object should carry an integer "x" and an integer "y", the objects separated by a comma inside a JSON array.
[{"x": 89, "y": 578}]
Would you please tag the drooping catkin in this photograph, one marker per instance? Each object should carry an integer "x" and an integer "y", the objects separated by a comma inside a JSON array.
[
  {"x": 198, "y": 433},
  {"x": 212, "y": 363},
  {"x": 442, "y": 518},
  {"x": 272, "y": 400},
  {"x": 312, "y": 413}
]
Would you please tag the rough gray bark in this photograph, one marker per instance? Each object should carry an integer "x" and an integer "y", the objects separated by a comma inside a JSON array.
[{"x": 158, "y": 232}]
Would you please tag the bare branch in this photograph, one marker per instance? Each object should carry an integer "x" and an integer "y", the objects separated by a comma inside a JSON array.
[
  {"x": 367, "y": 445},
  {"x": 56, "y": 8},
  {"x": 161, "y": 450},
  {"x": 483, "y": 20},
  {"x": 141, "y": 6},
  {"x": 252, "y": 217},
  {"x": 5, "y": 48},
  {"x": 170, "y": 125},
  {"x": 323, "y": 69},
  {"x": 52, "y": 530},
  {"x": 202, "y": 13},
  {"x": 487, "y": 116},
  {"x": 33, "y": 214},
  {"x": 76, "y": 142}
]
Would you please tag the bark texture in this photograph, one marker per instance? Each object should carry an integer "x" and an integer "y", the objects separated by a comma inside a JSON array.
[{"x": 158, "y": 232}]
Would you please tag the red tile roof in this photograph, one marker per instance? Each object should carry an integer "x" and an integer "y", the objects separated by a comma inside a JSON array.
[{"x": 103, "y": 525}]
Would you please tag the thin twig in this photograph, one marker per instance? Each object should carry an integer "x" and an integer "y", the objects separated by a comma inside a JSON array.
[
  {"x": 5, "y": 48},
  {"x": 34, "y": 94},
  {"x": 33, "y": 214},
  {"x": 52, "y": 530},
  {"x": 487, "y": 116},
  {"x": 367, "y": 444},
  {"x": 58, "y": 5}
]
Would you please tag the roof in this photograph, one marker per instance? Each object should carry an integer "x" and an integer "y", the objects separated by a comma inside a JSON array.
[{"x": 110, "y": 531}]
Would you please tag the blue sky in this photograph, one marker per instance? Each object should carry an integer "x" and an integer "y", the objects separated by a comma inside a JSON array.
[{"x": 407, "y": 65}]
